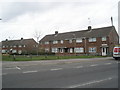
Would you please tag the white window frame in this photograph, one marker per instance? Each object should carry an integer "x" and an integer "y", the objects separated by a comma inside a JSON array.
[
  {"x": 92, "y": 49},
  {"x": 61, "y": 41},
  {"x": 24, "y": 45},
  {"x": 79, "y": 50},
  {"x": 71, "y": 50},
  {"x": 19, "y": 45},
  {"x": 92, "y": 39},
  {"x": 14, "y": 51},
  {"x": 14, "y": 46},
  {"x": 70, "y": 41},
  {"x": 79, "y": 40},
  {"x": 54, "y": 50},
  {"x": 46, "y": 49},
  {"x": 3, "y": 51},
  {"x": 19, "y": 51},
  {"x": 55, "y": 42},
  {"x": 47, "y": 42},
  {"x": 104, "y": 38}
]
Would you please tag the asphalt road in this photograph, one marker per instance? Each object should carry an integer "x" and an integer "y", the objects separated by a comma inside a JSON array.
[{"x": 79, "y": 73}]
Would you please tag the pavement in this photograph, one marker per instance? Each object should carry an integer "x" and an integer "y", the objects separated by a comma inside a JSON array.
[
  {"x": 46, "y": 62},
  {"x": 73, "y": 73}
]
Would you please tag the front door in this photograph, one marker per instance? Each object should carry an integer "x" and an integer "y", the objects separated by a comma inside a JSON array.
[{"x": 104, "y": 51}]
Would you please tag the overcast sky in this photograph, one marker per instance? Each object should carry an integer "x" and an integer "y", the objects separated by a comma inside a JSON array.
[{"x": 21, "y": 18}]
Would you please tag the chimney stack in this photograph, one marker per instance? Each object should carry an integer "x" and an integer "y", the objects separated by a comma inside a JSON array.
[
  {"x": 89, "y": 28},
  {"x": 6, "y": 40},
  {"x": 21, "y": 38},
  {"x": 56, "y": 32}
]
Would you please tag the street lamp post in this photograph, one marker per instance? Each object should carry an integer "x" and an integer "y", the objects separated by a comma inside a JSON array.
[
  {"x": 74, "y": 43},
  {"x": 85, "y": 44}
]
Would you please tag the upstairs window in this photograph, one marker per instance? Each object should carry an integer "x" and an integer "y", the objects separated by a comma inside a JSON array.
[
  {"x": 46, "y": 42},
  {"x": 14, "y": 46},
  {"x": 92, "y": 39},
  {"x": 78, "y": 40},
  {"x": 70, "y": 41},
  {"x": 55, "y": 42},
  {"x": 104, "y": 38},
  {"x": 3, "y": 46},
  {"x": 61, "y": 41},
  {"x": 24, "y": 45},
  {"x": 20, "y": 46}
]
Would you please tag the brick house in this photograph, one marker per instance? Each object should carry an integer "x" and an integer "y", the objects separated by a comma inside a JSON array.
[
  {"x": 98, "y": 41},
  {"x": 22, "y": 46}
]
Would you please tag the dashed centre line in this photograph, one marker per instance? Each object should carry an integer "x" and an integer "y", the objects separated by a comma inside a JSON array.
[
  {"x": 89, "y": 83},
  {"x": 29, "y": 71},
  {"x": 56, "y": 69},
  {"x": 79, "y": 67},
  {"x": 94, "y": 65},
  {"x": 108, "y": 63}
]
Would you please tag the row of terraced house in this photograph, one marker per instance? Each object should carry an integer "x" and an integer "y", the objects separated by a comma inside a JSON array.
[{"x": 92, "y": 41}]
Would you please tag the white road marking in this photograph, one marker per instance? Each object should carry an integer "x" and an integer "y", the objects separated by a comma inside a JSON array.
[
  {"x": 94, "y": 65},
  {"x": 108, "y": 63},
  {"x": 56, "y": 69},
  {"x": 79, "y": 67},
  {"x": 18, "y": 68},
  {"x": 29, "y": 71},
  {"x": 88, "y": 83},
  {"x": 10, "y": 68}
]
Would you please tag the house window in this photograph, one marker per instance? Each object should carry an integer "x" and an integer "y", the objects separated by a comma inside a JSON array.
[
  {"x": 46, "y": 42},
  {"x": 46, "y": 49},
  {"x": 20, "y": 46},
  {"x": 104, "y": 38},
  {"x": 3, "y": 46},
  {"x": 92, "y": 39},
  {"x": 70, "y": 41},
  {"x": 24, "y": 45},
  {"x": 3, "y": 51},
  {"x": 19, "y": 51},
  {"x": 55, "y": 42},
  {"x": 35, "y": 46},
  {"x": 61, "y": 41},
  {"x": 54, "y": 50},
  {"x": 14, "y": 46},
  {"x": 14, "y": 51},
  {"x": 79, "y": 50},
  {"x": 78, "y": 40},
  {"x": 92, "y": 49},
  {"x": 71, "y": 50}
]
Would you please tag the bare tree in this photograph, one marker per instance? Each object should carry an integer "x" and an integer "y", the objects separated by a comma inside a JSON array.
[{"x": 37, "y": 35}]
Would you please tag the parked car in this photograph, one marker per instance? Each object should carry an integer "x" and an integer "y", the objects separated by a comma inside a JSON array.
[{"x": 116, "y": 53}]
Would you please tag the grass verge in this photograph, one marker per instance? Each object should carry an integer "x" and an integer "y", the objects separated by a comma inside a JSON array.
[{"x": 34, "y": 58}]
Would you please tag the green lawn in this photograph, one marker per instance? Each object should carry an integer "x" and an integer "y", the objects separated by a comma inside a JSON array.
[{"x": 32, "y": 58}]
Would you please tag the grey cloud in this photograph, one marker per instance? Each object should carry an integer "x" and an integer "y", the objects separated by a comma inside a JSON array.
[{"x": 15, "y": 9}]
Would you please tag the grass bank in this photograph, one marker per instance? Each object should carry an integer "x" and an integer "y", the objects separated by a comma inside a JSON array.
[{"x": 33, "y": 58}]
